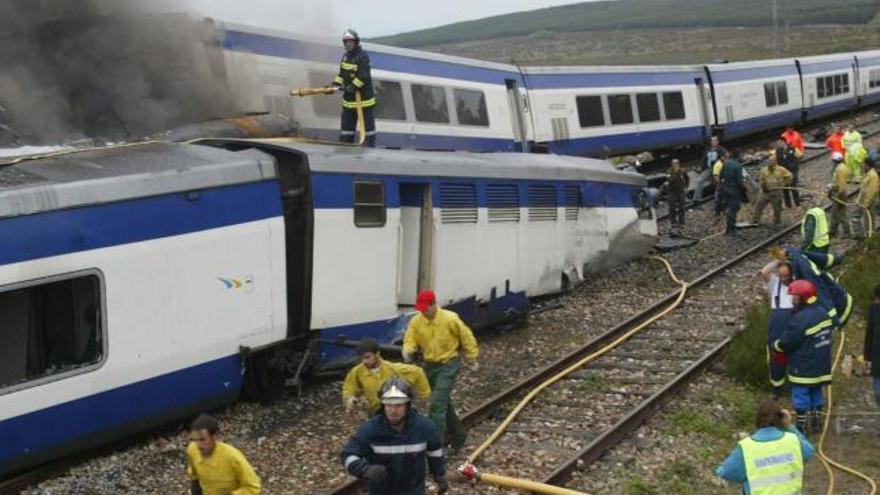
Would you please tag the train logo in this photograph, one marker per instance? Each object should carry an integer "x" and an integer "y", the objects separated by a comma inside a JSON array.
[{"x": 245, "y": 284}]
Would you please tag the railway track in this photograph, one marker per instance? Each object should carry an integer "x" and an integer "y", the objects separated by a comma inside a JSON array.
[{"x": 561, "y": 429}]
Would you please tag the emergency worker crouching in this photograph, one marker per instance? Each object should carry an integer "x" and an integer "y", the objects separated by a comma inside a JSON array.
[{"x": 365, "y": 379}]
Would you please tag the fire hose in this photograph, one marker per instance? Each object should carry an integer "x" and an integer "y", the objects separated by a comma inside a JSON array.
[
  {"x": 329, "y": 90},
  {"x": 470, "y": 472}
]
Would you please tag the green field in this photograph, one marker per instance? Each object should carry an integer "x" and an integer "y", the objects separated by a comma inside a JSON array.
[{"x": 642, "y": 14}]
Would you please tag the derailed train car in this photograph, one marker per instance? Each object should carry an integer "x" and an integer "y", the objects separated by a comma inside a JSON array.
[{"x": 144, "y": 283}]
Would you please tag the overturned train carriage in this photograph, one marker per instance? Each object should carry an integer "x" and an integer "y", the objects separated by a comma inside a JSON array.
[{"x": 146, "y": 283}]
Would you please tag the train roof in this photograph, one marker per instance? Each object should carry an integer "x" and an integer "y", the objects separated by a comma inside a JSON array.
[
  {"x": 329, "y": 158},
  {"x": 104, "y": 175}
]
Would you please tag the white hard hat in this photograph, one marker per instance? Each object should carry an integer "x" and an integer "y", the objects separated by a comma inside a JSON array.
[
  {"x": 837, "y": 156},
  {"x": 350, "y": 34},
  {"x": 395, "y": 391}
]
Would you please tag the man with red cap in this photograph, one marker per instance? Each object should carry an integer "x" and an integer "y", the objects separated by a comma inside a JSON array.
[
  {"x": 441, "y": 335},
  {"x": 807, "y": 342}
]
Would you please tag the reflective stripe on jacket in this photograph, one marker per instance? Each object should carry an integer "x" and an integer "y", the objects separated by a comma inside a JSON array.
[
  {"x": 775, "y": 467},
  {"x": 819, "y": 237}
]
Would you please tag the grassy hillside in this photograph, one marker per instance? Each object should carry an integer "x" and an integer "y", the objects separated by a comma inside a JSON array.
[
  {"x": 641, "y": 14},
  {"x": 668, "y": 46}
]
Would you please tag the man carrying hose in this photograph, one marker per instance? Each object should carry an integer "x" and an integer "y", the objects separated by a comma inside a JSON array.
[
  {"x": 441, "y": 335},
  {"x": 356, "y": 84},
  {"x": 807, "y": 342}
]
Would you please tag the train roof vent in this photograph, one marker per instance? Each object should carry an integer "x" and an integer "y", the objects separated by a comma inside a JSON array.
[
  {"x": 458, "y": 203},
  {"x": 503, "y": 202}
]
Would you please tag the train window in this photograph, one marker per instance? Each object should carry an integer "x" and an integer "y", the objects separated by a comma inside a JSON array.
[
  {"x": 782, "y": 93},
  {"x": 503, "y": 202},
  {"x": 838, "y": 84},
  {"x": 829, "y": 86},
  {"x": 620, "y": 108},
  {"x": 430, "y": 103},
  {"x": 820, "y": 87},
  {"x": 324, "y": 106},
  {"x": 50, "y": 330},
  {"x": 770, "y": 94},
  {"x": 845, "y": 85},
  {"x": 572, "y": 202},
  {"x": 458, "y": 203},
  {"x": 542, "y": 203},
  {"x": 389, "y": 94},
  {"x": 471, "y": 107},
  {"x": 369, "y": 204},
  {"x": 590, "y": 111},
  {"x": 649, "y": 107},
  {"x": 673, "y": 104}
]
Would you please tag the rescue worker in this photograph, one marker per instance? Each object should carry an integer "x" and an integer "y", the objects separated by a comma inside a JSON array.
[
  {"x": 217, "y": 468},
  {"x": 441, "y": 335},
  {"x": 777, "y": 277},
  {"x": 354, "y": 80},
  {"x": 794, "y": 139},
  {"x": 770, "y": 460},
  {"x": 855, "y": 152},
  {"x": 367, "y": 377},
  {"x": 871, "y": 353},
  {"x": 807, "y": 342},
  {"x": 813, "y": 266},
  {"x": 391, "y": 450},
  {"x": 787, "y": 157},
  {"x": 838, "y": 196},
  {"x": 714, "y": 153},
  {"x": 834, "y": 143},
  {"x": 814, "y": 229},
  {"x": 717, "y": 168},
  {"x": 733, "y": 186},
  {"x": 772, "y": 180},
  {"x": 867, "y": 200},
  {"x": 676, "y": 187}
]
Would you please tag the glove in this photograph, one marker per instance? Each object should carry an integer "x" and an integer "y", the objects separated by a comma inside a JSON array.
[
  {"x": 375, "y": 473},
  {"x": 778, "y": 253},
  {"x": 475, "y": 366},
  {"x": 408, "y": 357},
  {"x": 351, "y": 403},
  {"x": 349, "y": 88},
  {"x": 195, "y": 488},
  {"x": 442, "y": 484}
]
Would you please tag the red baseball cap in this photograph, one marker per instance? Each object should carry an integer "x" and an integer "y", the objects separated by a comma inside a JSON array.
[{"x": 425, "y": 299}]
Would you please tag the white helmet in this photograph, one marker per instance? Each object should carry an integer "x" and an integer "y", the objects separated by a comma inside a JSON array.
[
  {"x": 395, "y": 391},
  {"x": 837, "y": 157},
  {"x": 351, "y": 34}
]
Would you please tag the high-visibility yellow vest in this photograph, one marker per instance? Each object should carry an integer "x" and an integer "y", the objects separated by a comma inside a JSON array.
[
  {"x": 820, "y": 234},
  {"x": 775, "y": 467}
]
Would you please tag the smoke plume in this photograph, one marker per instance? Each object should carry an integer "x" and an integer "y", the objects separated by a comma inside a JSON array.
[{"x": 104, "y": 69}]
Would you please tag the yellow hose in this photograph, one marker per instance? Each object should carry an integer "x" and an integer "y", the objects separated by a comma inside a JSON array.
[
  {"x": 362, "y": 126},
  {"x": 520, "y": 484},
  {"x": 508, "y": 482}
]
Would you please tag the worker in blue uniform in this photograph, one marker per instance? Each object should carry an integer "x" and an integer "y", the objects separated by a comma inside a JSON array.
[
  {"x": 807, "y": 342},
  {"x": 777, "y": 277},
  {"x": 770, "y": 460},
  {"x": 391, "y": 450},
  {"x": 356, "y": 84},
  {"x": 733, "y": 187},
  {"x": 814, "y": 266}
]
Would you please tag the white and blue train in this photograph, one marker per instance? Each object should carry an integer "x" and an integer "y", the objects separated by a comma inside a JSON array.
[
  {"x": 146, "y": 283},
  {"x": 433, "y": 101}
]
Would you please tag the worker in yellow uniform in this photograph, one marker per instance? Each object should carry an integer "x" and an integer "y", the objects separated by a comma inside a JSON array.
[
  {"x": 365, "y": 380},
  {"x": 217, "y": 468},
  {"x": 855, "y": 151},
  {"x": 441, "y": 336},
  {"x": 867, "y": 201},
  {"x": 814, "y": 230},
  {"x": 837, "y": 195},
  {"x": 717, "y": 167},
  {"x": 772, "y": 180}
]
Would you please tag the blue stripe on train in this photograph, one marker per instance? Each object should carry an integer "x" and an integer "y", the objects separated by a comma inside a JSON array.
[
  {"x": 631, "y": 141},
  {"x": 30, "y": 433},
  {"x": 818, "y": 111},
  {"x": 740, "y": 128},
  {"x": 336, "y": 190},
  {"x": 98, "y": 226}
]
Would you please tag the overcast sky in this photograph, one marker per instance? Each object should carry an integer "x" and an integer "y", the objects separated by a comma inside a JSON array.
[{"x": 370, "y": 18}]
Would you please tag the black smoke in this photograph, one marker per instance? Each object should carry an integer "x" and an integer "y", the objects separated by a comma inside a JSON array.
[{"x": 106, "y": 70}]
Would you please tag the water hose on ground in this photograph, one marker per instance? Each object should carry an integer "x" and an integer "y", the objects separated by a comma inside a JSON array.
[{"x": 470, "y": 472}]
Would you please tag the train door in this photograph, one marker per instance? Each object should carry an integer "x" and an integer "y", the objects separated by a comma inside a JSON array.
[
  {"x": 704, "y": 96},
  {"x": 517, "y": 101},
  {"x": 415, "y": 242}
]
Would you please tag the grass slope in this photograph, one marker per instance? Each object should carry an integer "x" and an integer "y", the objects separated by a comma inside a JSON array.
[{"x": 641, "y": 14}]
